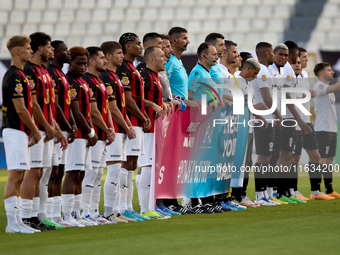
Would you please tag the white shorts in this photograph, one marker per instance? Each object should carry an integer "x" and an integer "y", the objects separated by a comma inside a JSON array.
[
  {"x": 98, "y": 155},
  {"x": 116, "y": 151},
  {"x": 149, "y": 143},
  {"x": 79, "y": 156},
  {"x": 16, "y": 149},
  {"x": 41, "y": 153},
  {"x": 135, "y": 147},
  {"x": 55, "y": 155},
  {"x": 63, "y": 154}
]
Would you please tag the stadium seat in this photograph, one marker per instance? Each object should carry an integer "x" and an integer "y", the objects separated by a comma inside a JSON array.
[
  {"x": 170, "y": 3},
  {"x": 177, "y": 24},
  {"x": 282, "y": 12},
  {"x": 166, "y": 14},
  {"x": 100, "y": 15},
  {"x": 259, "y": 24},
  {"x": 73, "y": 41},
  {"x": 264, "y": 12},
  {"x": 112, "y": 28},
  {"x": 6, "y": 5},
  {"x": 183, "y": 13},
  {"x": 252, "y": 3},
  {"x": 33, "y": 17},
  {"x": 95, "y": 29},
  {"x": 247, "y": 12},
  {"x": 21, "y": 5},
  {"x": 116, "y": 15},
  {"x": 138, "y": 3},
  {"x": 216, "y": 13},
  {"x": 232, "y": 12},
  {"x": 252, "y": 38},
  {"x": 3, "y": 17},
  {"x": 194, "y": 26},
  {"x": 144, "y": 27},
  {"x": 78, "y": 29},
  {"x": 324, "y": 24},
  {"x": 133, "y": 14},
  {"x": 121, "y": 4},
  {"x": 87, "y": 4},
  {"x": 205, "y": 3},
  {"x": 90, "y": 41},
  {"x": 50, "y": 17},
  {"x": 237, "y": 37},
  {"x": 199, "y": 13},
  {"x": 334, "y": 37},
  {"x": 17, "y": 17},
  {"x": 155, "y": 3},
  {"x": 12, "y": 30},
  {"x": 336, "y": 26},
  {"x": 334, "y": 1},
  {"x": 287, "y": 2},
  {"x": 235, "y": 3},
  {"x": 3, "y": 48},
  {"x": 54, "y": 5},
  {"x": 104, "y": 4},
  {"x": 66, "y": 16},
  {"x": 242, "y": 25},
  {"x": 191, "y": 3},
  {"x": 276, "y": 25},
  {"x": 271, "y": 38},
  {"x": 330, "y": 10},
  {"x": 71, "y": 5},
  {"x": 47, "y": 28},
  {"x": 106, "y": 38},
  {"x": 269, "y": 2},
  {"x": 226, "y": 26},
  {"x": 150, "y": 14},
  {"x": 162, "y": 27},
  {"x": 38, "y": 5},
  {"x": 62, "y": 29},
  {"x": 28, "y": 29},
  {"x": 127, "y": 26},
  {"x": 209, "y": 26},
  {"x": 83, "y": 16}
]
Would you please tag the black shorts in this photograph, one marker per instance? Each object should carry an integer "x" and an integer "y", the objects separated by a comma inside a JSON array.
[
  {"x": 264, "y": 140},
  {"x": 288, "y": 135},
  {"x": 277, "y": 146},
  {"x": 309, "y": 140},
  {"x": 326, "y": 143},
  {"x": 298, "y": 144}
]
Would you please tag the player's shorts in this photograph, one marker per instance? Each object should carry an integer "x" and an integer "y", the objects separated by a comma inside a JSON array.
[
  {"x": 149, "y": 143},
  {"x": 116, "y": 151},
  {"x": 326, "y": 143},
  {"x": 41, "y": 153},
  {"x": 79, "y": 156},
  {"x": 63, "y": 153},
  {"x": 135, "y": 147},
  {"x": 98, "y": 155},
  {"x": 16, "y": 149},
  {"x": 288, "y": 135},
  {"x": 306, "y": 141},
  {"x": 264, "y": 140},
  {"x": 249, "y": 151},
  {"x": 277, "y": 146},
  {"x": 56, "y": 155}
]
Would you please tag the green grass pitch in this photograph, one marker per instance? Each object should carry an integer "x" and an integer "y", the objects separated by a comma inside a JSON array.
[{"x": 311, "y": 228}]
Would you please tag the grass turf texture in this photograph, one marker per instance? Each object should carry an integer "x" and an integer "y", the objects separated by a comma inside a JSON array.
[{"x": 311, "y": 228}]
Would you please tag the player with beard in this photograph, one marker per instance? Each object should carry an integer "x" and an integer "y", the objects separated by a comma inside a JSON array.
[
  {"x": 134, "y": 95},
  {"x": 102, "y": 124},
  {"x": 19, "y": 130},
  {"x": 67, "y": 124},
  {"x": 326, "y": 132},
  {"x": 79, "y": 157},
  {"x": 40, "y": 153},
  {"x": 116, "y": 152}
]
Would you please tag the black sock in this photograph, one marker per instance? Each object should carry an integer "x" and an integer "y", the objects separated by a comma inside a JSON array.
[
  {"x": 259, "y": 178},
  {"x": 210, "y": 200},
  {"x": 204, "y": 200},
  {"x": 293, "y": 176},
  {"x": 328, "y": 178},
  {"x": 170, "y": 201},
  {"x": 314, "y": 176},
  {"x": 237, "y": 194},
  {"x": 194, "y": 202},
  {"x": 219, "y": 198},
  {"x": 159, "y": 202}
]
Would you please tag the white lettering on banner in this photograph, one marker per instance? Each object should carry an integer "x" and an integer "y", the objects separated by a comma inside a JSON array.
[
  {"x": 192, "y": 171},
  {"x": 229, "y": 147},
  {"x": 193, "y": 126},
  {"x": 161, "y": 175},
  {"x": 189, "y": 142},
  {"x": 166, "y": 128},
  {"x": 228, "y": 124}
]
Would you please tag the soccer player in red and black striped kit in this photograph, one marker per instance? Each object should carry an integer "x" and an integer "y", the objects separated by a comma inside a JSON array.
[
  {"x": 134, "y": 95},
  {"x": 102, "y": 124},
  {"x": 116, "y": 152},
  {"x": 18, "y": 129},
  {"x": 79, "y": 151},
  {"x": 67, "y": 124}
]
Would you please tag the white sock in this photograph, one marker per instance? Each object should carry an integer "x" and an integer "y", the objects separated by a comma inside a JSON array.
[
  {"x": 67, "y": 201},
  {"x": 11, "y": 210},
  {"x": 137, "y": 185},
  {"x": 43, "y": 192},
  {"x": 26, "y": 205},
  {"x": 130, "y": 191},
  {"x": 259, "y": 195},
  {"x": 144, "y": 187},
  {"x": 292, "y": 192},
  {"x": 265, "y": 193},
  {"x": 123, "y": 191},
  {"x": 87, "y": 190},
  {"x": 94, "y": 211},
  {"x": 111, "y": 188},
  {"x": 314, "y": 193},
  {"x": 35, "y": 207},
  {"x": 18, "y": 215},
  {"x": 56, "y": 210},
  {"x": 270, "y": 192},
  {"x": 77, "y": 206},
  {"x": 274, "y": 191},
  {"x": 49, "y": 208}
]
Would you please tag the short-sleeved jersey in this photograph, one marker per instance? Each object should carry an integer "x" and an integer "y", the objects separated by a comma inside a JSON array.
[
  {"x": 40, "y": 88},
  {"x": 153, "y": 92},
  {"x": 228, "y": 79},
  {"x": 277, "y": 75},
  {"x": 79, "y": 91},
  {"x": 199, "y": 78},
  {"x": 141, "y": 65},
  {"x": 166, "y": 86},
  {"x": 99, "y": 94},
  {"x": 178, "y": 77},
  {"x": 264, "y": 80},
  {"x": 15, "y": 85},
  {"x": 132, "y": 81},
  {"x": 115, "y": 91},
  {"x": 290, "y": 80},
  {"x": 325, "y": 111},
  {"x": 304, "y": 83},
  {"x": 51, "y": 88},
  {"x": 62, "y": 89},
  {"x": 218, "y": 77}
]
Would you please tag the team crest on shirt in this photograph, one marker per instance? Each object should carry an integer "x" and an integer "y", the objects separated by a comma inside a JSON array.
[
  {"x": 32, "y": 85},
  {"x": 54, "y": 84},
  {"x": 264, "y": 77},
  {"x": 320, "y": 86},
  {"x": 109, "y": 90},
  {"x": 18, "y": 88},
  {"x": 288, "y": 77},
  {"x": 73, "y": 93},
  {"x": 91, "y": 92},
  {"x": 125, "y": 80}
]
